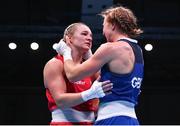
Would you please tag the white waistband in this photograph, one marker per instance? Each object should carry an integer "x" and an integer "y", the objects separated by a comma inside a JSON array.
[
  {"x": 72, "y": 115},
  {"x": 116, "y": 108}
]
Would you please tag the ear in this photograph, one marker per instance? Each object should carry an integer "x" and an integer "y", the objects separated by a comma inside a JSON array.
[
  {"x": 68, "y": 39},
  {"x": 113, "y": 26}
]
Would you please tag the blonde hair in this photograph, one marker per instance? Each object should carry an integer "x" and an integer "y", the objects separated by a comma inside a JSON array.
[
  {"x": 69, "y": 31},
  {"x": 124, "y": 19}
]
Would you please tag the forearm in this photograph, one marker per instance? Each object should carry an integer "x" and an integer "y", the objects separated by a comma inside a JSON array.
[
  {"x": 97, "y": 90},
  {"x": 75, "y": 72},
  {"x": 68, "y": 100}
]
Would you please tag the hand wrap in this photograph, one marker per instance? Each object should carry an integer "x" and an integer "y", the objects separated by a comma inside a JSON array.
[
  {"x": 95, "y": 91},
  {"x": 63, "y": 49}
]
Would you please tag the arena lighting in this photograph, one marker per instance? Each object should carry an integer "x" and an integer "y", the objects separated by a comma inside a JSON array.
[
  {"x": 12, "y": 46},
  {"x": 54, "y": 46},
  {"x": 148, "y": 47},
  {"x": 34, "y": 46}
]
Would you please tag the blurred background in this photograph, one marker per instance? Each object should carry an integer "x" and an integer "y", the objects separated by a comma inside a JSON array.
[{"x": 29, "y": 28}]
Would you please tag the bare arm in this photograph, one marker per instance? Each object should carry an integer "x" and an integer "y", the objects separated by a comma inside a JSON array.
[
  {"x": 76, "y": 72},
  {"x": 54, "y": 81},
  {"x": 86, "y": 56}
]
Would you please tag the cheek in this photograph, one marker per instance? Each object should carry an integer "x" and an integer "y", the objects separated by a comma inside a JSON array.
[
  {"x": 77, "y": 39},
  {"x": 105, "y": 31},
  {"x": 91, "y": 45}
]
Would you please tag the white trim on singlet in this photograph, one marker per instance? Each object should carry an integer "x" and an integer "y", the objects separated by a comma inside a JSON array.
[
  {"x": 116, "y": 108},
  {"x": 72, "y": 115},
  {"x": 131, "y": 40}
]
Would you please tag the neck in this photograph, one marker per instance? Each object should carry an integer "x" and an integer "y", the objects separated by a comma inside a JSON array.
[
  {"x": 77, "y": 56},
  {"x": 118, "y": 37}
]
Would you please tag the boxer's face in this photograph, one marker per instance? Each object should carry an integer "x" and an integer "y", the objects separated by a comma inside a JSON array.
[
  {"x": 82, "y": 37},
  {"x": 107, "y": 29}
]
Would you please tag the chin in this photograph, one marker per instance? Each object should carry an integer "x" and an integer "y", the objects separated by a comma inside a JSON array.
[{"x": 87, "y": 47}]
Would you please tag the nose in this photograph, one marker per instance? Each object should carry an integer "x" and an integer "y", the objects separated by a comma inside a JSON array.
[{"x": 89, "y": 38}]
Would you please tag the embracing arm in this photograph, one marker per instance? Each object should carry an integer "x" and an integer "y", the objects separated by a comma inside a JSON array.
[{"x": 76, "y": 72}]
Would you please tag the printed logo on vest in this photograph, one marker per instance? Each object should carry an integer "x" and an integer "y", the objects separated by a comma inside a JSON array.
[
  {"x": 136, "y": 82},
  {"x": 79, "y": 82}
]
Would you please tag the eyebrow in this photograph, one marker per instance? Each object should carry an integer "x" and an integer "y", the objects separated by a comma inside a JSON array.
[{"x": 87, "y": 32}]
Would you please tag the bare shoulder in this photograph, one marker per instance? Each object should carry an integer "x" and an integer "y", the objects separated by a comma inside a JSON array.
[
  {"x": 53, "y": 65},
  {"x": 53, "y": 69},
  {"x": 122, "y": 58},
  {"x": 106, "y": 48},
  {"x": 117, "y": 49},
  {"x": 106, "y": 45},
  {"x": 112, "y": 47},
  {"x": 104, "y": 53},
  {"x": 121, "y": 47}
]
